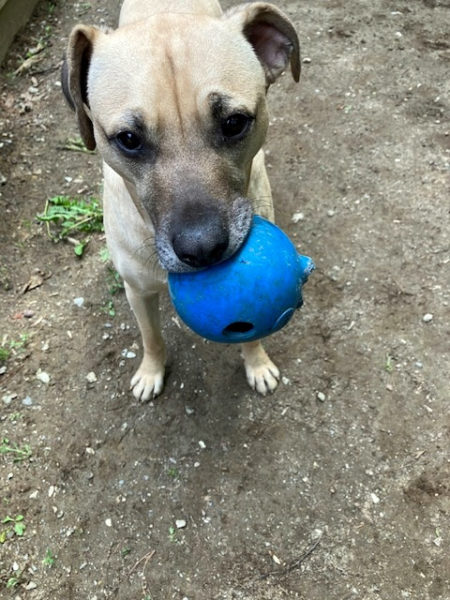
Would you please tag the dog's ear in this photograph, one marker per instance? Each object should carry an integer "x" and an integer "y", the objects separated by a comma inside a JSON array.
[
  {"x": 74, "y": 78},
  {"x": 272, "y": 36}
]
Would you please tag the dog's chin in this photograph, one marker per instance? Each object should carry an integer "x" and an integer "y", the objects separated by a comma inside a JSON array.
[{"x": 238, "y": 231}]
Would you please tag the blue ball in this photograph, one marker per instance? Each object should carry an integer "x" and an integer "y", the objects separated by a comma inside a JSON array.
[{"x": 249, "y": 296}]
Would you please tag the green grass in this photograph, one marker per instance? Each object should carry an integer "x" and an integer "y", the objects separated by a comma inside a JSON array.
[
  {"x": 65, "y": 216},
  {"x": 13, "y": 347},
  {"x": 18, "y": 453}
]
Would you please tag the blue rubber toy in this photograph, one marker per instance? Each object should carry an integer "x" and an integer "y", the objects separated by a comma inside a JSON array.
[{"x": 249, "y": 296}]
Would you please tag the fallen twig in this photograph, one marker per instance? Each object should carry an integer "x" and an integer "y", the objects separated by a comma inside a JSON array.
[
  {"x": 145, "y": 558},
  {"x": 295, "y": 564}
]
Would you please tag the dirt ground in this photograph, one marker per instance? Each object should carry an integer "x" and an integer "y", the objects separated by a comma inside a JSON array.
[{"x": 335, "y": 487}]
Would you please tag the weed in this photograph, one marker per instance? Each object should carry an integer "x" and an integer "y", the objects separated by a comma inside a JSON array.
[
  {"x": 114, "y": 281},
  {"x": 388, "y": 365},
  {"x": 15, "y": 416},
  {"x": 49, "y": 559},
  {"x": 12, "y": 582},
  {"x": 16, "y": 526},
  {"x": 173, "y": 472},
  {"x": 125, "y": 552},
  {"x": 104, "y": 254},
  {"x": 20, "y": 454},
  {"x": 109, "y": 308},
  {"x": 172, "y": 534},
  {"x": 76, "y": 145},
  {"x": 72, "y": 215},
  {"x": 13, "y": 347}
]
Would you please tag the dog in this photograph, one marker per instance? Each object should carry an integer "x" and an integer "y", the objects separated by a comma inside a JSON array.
[{"x": 175, "y": 101}]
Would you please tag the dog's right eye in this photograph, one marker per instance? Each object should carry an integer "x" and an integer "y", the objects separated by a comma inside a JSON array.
[{"x": 129, "y": 142}]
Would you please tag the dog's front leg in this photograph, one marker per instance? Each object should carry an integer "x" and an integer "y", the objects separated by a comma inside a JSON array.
[
  {"x": 148, "y": 380},
  {"x": 262, "y": 373}
]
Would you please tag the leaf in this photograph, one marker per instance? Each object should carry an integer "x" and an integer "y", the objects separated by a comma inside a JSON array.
[
  {"x": 19, "y": 528},
  {"x": 79, "y": 248}
]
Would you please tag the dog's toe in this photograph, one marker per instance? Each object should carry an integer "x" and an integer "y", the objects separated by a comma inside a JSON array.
[{"x": 148, "y": 381}]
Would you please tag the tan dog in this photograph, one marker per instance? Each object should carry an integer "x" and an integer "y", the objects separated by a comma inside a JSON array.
[{"x": 175, "y": 101}]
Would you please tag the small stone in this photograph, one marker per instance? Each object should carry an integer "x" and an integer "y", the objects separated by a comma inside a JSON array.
[
  {"x": 15, "y": 566},
  {"x": 27, "y": 401},
  {"x": 43, "y": 376},
  {"x": 427, "y": 318},
  {"x": 189, "y": 411},
  {"x": 180, "y": 523},
  {"x": 330, "y": 213},
  {"x": 306, "y": 60},
  {"x": 28, "y": 313},
  {"x": 91, "y": 377},
  {"x": 30, "y": 586},
  {"x": 34, "y": 495},
  {"x": 298, "y": 216},
  {"x": 321, "y": 396},
  {"x": 78, "y": 301},
  {"x": 8, "y": 398},
  {"x": 3, "y": 370},
  {"x": 108, "y": 522},
  {"x": 374, "y": 498},
  {"x": 202, "y": 444}
]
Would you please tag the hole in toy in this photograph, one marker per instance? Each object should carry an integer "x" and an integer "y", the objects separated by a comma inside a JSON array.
[{"x": 238, "y": 327}]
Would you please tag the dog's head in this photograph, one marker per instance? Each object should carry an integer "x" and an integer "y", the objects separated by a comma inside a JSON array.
[{"x": 176, "y": 105}]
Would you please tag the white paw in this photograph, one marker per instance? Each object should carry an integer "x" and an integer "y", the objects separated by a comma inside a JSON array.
[
  {"x": 263, "y": 378},
  {"x": 148, "y": 381},
  {"x": 262, "y": 373}
]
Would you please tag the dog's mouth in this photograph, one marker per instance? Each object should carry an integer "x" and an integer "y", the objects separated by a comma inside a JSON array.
[{"x": 204, "y": 239}]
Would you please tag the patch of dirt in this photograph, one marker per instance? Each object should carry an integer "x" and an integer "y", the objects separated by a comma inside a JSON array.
[{"x": 352, "y": 449}]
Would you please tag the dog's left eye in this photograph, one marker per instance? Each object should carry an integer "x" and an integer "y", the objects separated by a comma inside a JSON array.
[
  {"x": 128, "y": 142},
  {"x": 236, "y": 126}
]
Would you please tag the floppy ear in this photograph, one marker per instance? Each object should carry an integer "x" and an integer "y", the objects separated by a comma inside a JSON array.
[
  {"x": 74, "y": 79},
  {"x": 272, "y": 36}
]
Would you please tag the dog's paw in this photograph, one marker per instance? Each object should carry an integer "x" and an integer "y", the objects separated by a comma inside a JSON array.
[
  {"x": 148, "y": 381},
  {"x": 262, "y": 374}
]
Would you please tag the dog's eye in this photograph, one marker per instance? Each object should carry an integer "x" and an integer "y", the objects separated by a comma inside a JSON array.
[
  {"x": 236, "y": 126},
  {"x": 129, "y": 142}
]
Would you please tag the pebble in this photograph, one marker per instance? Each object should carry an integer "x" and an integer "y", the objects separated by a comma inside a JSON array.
[
  {"x": 3, "y": 370},
  {"x": 30, "y": 586},
  {"x": 108, "y": 522},
  {"x": 128, "y": 353},
  {"x": 298, "y": 216},
  {"x": 43, "y": 376},
  {"x": 202, "y": 444},
  {"x": 8, "y": 398},
  {"x": 180, "y": 523},
  {"x": 427, "y": 318},
  {"x": 27, "y": 401},
  {"x": 79, "y": 301},
  {"x": 374, "y": 498},
  {"x": 321, "y": 396},
  {"x": 91, "y": 377}
]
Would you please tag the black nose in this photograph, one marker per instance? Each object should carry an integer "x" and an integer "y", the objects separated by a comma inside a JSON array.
[{"x": 199, "y": 237}]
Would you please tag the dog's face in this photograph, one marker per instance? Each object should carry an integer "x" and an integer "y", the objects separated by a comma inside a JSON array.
[{"x": 176, "y": 105}]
